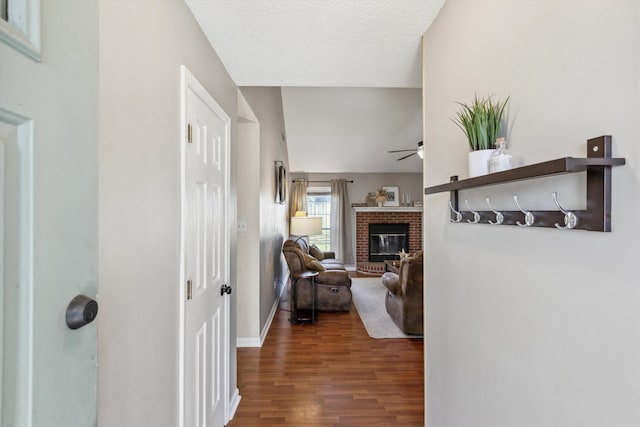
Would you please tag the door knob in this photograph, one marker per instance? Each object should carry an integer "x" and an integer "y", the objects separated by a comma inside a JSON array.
[
  {"x": 81, "y": 311},
  {"x": 225, "y": 289}
]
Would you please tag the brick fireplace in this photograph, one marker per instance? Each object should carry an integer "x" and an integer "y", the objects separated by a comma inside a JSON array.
[{"x": 370, "y": 215}]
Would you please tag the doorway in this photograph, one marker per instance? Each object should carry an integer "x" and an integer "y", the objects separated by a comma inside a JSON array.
[
  {"x": 205, "y": 263},
  {"x": 248, "y": 243}
]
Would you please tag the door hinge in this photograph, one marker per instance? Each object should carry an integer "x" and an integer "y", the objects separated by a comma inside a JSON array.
[
  {"x": 189, "y": 289},
  {"x": 189, "y": 133}
]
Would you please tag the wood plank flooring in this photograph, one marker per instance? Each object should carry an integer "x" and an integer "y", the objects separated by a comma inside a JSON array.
[{"x": 331, "y": 374}]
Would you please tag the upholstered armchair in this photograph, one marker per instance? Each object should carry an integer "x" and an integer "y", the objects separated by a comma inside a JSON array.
[
  {"x": 333, "y": 281},
  {"x": 404, "y": 295}
]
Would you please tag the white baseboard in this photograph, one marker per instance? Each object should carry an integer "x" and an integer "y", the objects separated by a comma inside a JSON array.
[
  {"x": 233, "y": 404},
  {"x": 267, "y": 325},
  {"x": 248, "y": 342},
  {"x": 257, "y": 342}
]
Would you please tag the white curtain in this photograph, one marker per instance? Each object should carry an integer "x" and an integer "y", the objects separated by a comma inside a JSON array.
[
  {"x": 340, "y": 222},
  {"x": 298, "y": 197}
]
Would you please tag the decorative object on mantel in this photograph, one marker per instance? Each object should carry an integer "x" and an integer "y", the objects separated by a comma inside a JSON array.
[
  {"x": 597, "y": 216},
  {"x": 359, "y": 205},
  {"x": 406, "y": 199},
  {"x": 381, "y": 197},
  {"x": 417, "y": 203},
  {"x": 481, "y": 123},
  {"x": 393, "y": 196}
]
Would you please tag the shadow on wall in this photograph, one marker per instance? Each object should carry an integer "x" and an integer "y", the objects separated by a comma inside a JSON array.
[
  {"x": 273, "y": 266},
  {"x": 279, "y": 263}
]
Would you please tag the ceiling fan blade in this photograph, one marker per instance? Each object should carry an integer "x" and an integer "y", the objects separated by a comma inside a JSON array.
[
  {"x": 400, "y": 151},
  {"x": 402, "y": 158}
]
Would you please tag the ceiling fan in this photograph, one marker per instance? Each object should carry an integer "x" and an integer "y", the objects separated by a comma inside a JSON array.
[{"x": 417, "y": 151}]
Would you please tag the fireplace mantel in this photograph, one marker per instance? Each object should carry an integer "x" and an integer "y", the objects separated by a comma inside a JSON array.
[
  {"x": 387, "y": 209},
  {"x": 365, "y": 215}
]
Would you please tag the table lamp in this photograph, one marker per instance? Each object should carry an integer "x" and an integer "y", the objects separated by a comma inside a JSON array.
[{"x": 304, "y": 226}]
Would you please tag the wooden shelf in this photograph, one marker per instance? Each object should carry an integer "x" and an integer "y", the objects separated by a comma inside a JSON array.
[
  {"x": 597, "y": 216},
  {"x": 538, "y": 170}
]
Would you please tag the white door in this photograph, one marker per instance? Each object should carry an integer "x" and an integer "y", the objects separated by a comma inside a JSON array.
[
  {"x": 48, "y": 212},
  {"x": 48, "y": 251},
  {"x": 206, "y": 257}
]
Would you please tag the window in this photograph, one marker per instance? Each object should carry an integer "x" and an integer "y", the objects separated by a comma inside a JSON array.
[{"x": 319, "y": 204}]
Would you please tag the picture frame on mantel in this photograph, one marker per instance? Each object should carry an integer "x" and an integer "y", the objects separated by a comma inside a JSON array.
[{"x": 393, "y": 195}]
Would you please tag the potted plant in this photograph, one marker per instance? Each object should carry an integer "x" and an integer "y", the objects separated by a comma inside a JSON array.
[{"x": 481, "y": 123}]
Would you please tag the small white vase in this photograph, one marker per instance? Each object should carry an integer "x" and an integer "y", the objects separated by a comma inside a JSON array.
[{"x": 479, "y": 162}]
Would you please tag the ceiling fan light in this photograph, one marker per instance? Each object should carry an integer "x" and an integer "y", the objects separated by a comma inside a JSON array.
[{"x": 420, "y": 152}]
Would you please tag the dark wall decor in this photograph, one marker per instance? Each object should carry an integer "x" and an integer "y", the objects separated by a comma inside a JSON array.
[{"x": 281, "y": 182}]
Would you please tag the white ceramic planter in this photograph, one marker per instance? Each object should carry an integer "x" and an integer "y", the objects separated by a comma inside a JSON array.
[{"x": 479, "y": 162}]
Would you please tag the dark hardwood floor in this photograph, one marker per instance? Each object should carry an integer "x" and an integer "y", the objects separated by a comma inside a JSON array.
[{"x": 330, "y": 374}]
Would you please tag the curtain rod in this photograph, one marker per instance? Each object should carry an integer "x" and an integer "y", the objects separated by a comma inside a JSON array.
[{"x": 298, "y": 180}]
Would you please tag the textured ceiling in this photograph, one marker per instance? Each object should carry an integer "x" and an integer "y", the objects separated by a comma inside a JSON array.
[
  {"x": 341, "y": 64},
  {"x": 333, "y": 43}
]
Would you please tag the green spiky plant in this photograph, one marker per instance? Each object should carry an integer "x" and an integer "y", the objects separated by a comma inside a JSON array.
[{"x": 480, "y": 121}]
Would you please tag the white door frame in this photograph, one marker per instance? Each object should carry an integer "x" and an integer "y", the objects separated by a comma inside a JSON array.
[{"x": 189, "y": 82}]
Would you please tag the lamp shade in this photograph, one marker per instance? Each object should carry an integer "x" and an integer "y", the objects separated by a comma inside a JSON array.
[{"x": 306, "y": 225}]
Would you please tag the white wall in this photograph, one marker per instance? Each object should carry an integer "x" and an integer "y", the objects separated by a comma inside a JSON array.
[
  {"x": 142, "y": 45},
  {"x": 266, "y": 103},
  {"x": 352, "y": 128},
  {"x": 534, "y": 327}
]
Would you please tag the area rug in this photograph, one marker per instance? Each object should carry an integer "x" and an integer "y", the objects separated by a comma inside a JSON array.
[{"x": 368, "y": 297}]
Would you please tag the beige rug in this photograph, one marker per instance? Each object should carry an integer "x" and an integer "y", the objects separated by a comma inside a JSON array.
[{"x": 368, "y": 297}]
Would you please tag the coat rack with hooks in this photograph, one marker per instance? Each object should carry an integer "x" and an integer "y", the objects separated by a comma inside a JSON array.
[{"x": 596, "y": 217}]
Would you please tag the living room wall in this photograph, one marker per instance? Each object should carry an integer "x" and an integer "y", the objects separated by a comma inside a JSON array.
[{"x": 535, "y": 326}]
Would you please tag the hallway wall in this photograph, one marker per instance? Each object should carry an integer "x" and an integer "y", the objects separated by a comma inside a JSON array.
[
  {"x": 266, "y": 103},
  {"x": 534, "y": 327},
  {"x": 142, "y": 45}
]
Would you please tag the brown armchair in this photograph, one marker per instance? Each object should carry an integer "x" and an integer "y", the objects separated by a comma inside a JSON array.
[
  {"x": 404, "y": 295},
  {"x": 333, "y": 283}
]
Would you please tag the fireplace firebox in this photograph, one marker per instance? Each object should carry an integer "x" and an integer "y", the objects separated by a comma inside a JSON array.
[{"x": 386, "y": 240}]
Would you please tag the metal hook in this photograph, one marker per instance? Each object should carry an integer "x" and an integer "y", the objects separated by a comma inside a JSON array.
[
  {"x": 476, "y": 215},
  {"x": 528, "y": 216},
  {"x": 499, "y": 216},
  {"x": 570, "y": 219},
  {"x": 458, "y": 214}
]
